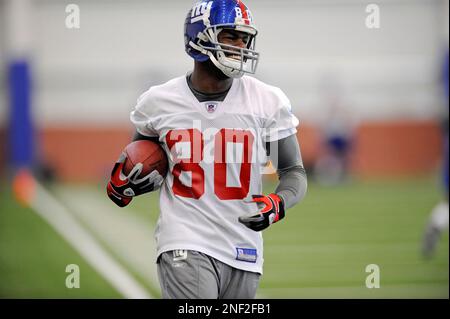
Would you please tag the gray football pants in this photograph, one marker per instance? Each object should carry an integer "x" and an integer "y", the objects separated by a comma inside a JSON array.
[{"x": 188, "y": 274}]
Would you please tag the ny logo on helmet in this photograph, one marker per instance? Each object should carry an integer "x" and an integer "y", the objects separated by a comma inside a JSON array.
[{"x": 199, "y": 10}]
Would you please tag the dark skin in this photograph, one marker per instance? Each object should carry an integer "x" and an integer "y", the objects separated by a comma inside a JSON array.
[{"x": 206, "y": 77}]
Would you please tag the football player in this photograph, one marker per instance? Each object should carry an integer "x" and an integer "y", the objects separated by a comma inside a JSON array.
[
  {"x": 219, "y": 127},
  {"x": 438, "y": 220}
]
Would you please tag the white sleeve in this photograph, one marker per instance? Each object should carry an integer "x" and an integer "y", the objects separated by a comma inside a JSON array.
[
  {"x": 283, "y": 122},
  {"x": 140, "y": 117}
]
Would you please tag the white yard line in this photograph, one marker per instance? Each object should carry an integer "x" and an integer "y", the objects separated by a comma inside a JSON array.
[
  {"x": 68, "y": 227},
  {"x": 129, "y": 237}
]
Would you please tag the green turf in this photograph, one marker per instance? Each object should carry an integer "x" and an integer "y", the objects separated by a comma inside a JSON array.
[
  {"x": 33, "y": 258},
  {"x": 320, "y": 250},
  {"x": 324, "y": 244}
]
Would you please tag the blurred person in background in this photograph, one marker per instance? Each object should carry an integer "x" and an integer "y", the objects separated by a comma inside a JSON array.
[
  {"x": 438, "y": 221},
  {"x": 209, "y": 241},
  {"x": 337, "y": 126}
]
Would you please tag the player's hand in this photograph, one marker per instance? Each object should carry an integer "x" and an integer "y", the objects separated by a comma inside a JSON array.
[
  {"x": 271, "y": 210},
  {"x": 122, "y": 188}
]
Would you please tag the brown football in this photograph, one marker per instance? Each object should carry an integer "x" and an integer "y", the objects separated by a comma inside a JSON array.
[{"x": 149, "y": 153}]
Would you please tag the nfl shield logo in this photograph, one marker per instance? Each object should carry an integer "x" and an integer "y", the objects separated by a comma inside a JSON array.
[{"x": 211, "y": 107}]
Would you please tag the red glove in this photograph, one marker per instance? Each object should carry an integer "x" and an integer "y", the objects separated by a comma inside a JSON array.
[
  {"x": 121, "y": 188},
  {"x": 271, "y": 210}
]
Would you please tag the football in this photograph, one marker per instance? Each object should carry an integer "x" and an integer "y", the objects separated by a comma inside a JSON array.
[{"x": 149, "y": 153}]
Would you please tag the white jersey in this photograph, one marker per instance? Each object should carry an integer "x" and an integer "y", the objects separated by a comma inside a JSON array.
[{"x": 216, "y": 155}]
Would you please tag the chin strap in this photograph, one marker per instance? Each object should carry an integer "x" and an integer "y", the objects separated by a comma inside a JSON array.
[{"x": 227, "y": 70}]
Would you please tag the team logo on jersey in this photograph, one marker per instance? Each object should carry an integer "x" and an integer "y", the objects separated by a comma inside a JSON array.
[{"x": 211, "y": 106}]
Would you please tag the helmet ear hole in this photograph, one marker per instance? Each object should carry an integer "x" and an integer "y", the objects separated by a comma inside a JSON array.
[{"x": 201, "y": 42}]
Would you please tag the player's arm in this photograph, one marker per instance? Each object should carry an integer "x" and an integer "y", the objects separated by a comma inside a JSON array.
[
  {"x": 121, "y": 189},
  {"x": 291, "y": 173},
  {"x": 138, "y": 136},
  {"x": 291, "y": 189}
]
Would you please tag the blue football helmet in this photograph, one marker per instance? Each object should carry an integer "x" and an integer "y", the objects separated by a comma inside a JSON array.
[{"x": 203, "y": 24}]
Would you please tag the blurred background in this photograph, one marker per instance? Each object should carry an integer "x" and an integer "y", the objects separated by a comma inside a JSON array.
[{"x": 368, "y": 81}]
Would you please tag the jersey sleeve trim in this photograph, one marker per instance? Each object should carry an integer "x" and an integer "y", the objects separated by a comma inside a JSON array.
[{"x": 279, "y": 135}]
